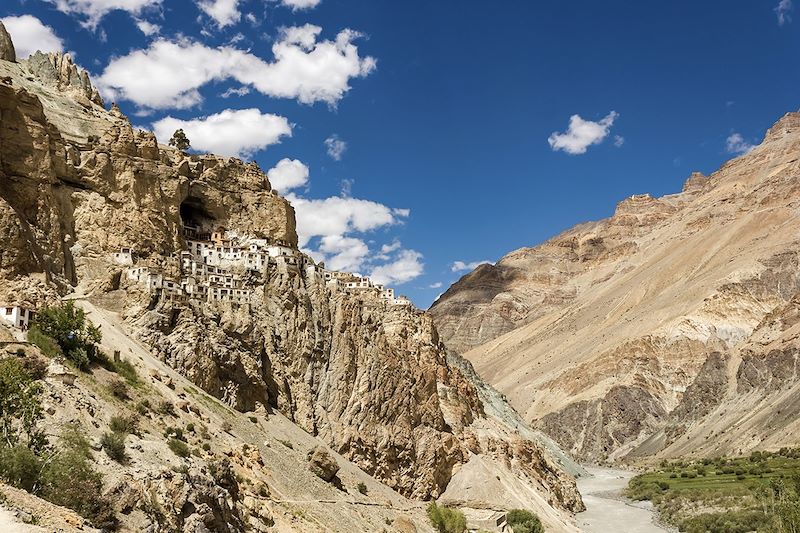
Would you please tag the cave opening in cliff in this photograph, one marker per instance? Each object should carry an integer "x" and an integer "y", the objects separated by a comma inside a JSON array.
[{"x": 195, "y": 215}]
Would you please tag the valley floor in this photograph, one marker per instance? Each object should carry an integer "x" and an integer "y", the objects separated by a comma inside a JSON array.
[{"x": 606, "y": 508}]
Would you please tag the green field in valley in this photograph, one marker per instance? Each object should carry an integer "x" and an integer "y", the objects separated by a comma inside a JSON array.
[{"x": 726, "y": 495}]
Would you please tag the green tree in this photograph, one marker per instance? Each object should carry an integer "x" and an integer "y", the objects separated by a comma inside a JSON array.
[
  {"x": 180, "y": 141},
  {"x": 20, "y": 407},
  {"x": 68, "y": 326}
]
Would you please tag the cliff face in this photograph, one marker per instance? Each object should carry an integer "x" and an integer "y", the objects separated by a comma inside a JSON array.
[
  {"x": 630, "y": 334},
  {"x": 79, "y": 184}
]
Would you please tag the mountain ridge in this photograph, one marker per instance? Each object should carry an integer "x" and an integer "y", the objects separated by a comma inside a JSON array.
[{"x": 607, "y": 325}]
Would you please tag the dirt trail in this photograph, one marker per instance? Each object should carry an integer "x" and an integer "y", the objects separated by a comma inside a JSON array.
[
  {"x": 606, "y": 508},
  {"x": 10, "y": 524}
]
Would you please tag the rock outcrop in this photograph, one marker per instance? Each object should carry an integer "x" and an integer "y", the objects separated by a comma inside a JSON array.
[
  {"x": 7, "y": 52},
  {"x": 631, "y": 335},
  {"x": 57, "y": 70}
]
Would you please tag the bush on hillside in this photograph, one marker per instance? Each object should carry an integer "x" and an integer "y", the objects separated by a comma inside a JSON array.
[
  {"x": 114, "y": 446},
  {"x": 522, "y": 521},
  {"x": 125, "y": 424},
  {"x": 20, "y": 406},
  {"x": 70, "y": 481},
  {"x": 445, "y": 519},
  {"x": 179, "y": 448}
]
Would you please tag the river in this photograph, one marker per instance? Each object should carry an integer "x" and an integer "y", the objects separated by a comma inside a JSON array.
[{"x": 608, "y": 511}]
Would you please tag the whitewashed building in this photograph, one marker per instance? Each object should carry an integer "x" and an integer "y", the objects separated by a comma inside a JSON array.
[
  {"x": 19, "y": 316},
  {"x": 124, "y": 257}
]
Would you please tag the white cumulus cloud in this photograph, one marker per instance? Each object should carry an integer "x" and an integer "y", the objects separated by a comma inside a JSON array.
[
  {"x": 784, "y": 12},
  {"x": 148, "y": 28},
  {"x": 224, "y": 12},
  {"x": 338, "y": 216},
  {"x": 407, "y": 265},
  {"x": 94, "y": 10},
  {"x": 735, "y": 144},
  {"x": 297, "y": 5},
  {"x": 341, "y": 253},
  {"x": 231, "y": 132},
  {"x": 30, "y": 34},
  {"x": 461, "y": 266},
  {"x": 582, "y": 133},
  {"x": 169, "y": 73},
  {"x": 335, "y": 147},
  {"x": 288, "y": 174}
]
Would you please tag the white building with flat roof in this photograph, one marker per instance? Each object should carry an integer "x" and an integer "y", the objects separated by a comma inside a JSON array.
[{"x": 19, "y": 316}]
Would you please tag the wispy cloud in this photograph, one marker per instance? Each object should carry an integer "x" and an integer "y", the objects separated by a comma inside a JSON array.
[
  {"x": 784, "y": 12},
  {"x": 735, "y": 144},
  {"x": 335, "y": 147},
  {"x": 461, "y": 266}
]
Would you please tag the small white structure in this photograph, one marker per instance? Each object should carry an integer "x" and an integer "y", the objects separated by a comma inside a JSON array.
[
  {"x": 486, "y": 520},
  {"x": 123, "y": 257},
  {"x": 18, "y": 316}
]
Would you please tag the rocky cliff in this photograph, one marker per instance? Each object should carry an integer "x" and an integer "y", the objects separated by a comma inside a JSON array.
[
  {"x": 78, "y": 184},
  {"x": 631, "y": 336}
]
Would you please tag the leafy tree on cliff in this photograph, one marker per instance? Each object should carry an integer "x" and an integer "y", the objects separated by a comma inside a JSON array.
[
  {"x": 180, "y": 141},
  {"x": 75, "y": 335}
]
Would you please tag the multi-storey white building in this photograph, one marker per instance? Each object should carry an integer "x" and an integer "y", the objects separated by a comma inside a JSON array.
[{"x": 17, "y": 315}]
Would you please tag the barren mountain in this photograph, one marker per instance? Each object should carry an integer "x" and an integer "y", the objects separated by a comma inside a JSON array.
[
  {"x": 189, "y": 263},
  {"x": 668, "y": 328}
]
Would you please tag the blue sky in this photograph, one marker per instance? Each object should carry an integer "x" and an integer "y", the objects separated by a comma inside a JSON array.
[{"x": 451, "y": 118}]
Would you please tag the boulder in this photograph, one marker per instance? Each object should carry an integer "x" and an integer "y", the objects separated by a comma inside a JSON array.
[{"x": 322, "y": 463}]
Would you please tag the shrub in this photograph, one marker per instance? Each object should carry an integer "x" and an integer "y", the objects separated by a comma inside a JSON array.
[
  {"x": 253, "y": 419},
  {"x": 522, "y": 521},
  {"x": 35, "y": 366},
  {"x": 206, "y": 447},
  {"x": 119, "y": 389},
  {"x": 143, "y": 407},
  {"x": 114, "y": 446},
  {"x": 125, "y": 424},
  {"x": 179, "y": 448},
  {"x": 166, "y": 408},
  {"x": 446, "y": 520},
  {"x": 20, "y": 467},
  {"x": 190, "y": 427},
  {"x": 127, "y": 371},
  {"x": 70, "y": 481},
  {"x": 47, "y": 345},
  {"x": 362, "y": 488}
]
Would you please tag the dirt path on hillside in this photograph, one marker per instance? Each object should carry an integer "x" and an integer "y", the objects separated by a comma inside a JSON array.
[
  {"x": 607, "y": 510},
  {"x": 10, "y": 524}
]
